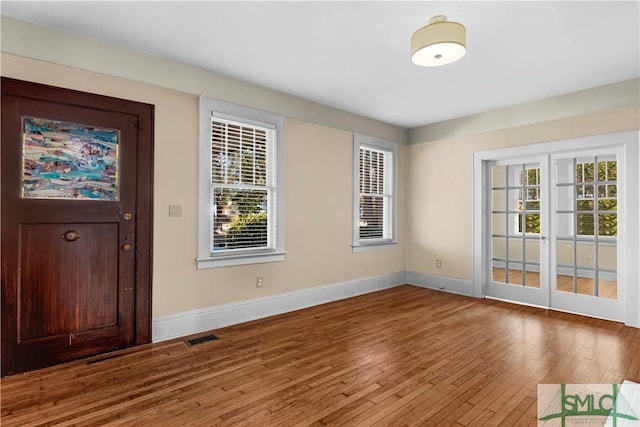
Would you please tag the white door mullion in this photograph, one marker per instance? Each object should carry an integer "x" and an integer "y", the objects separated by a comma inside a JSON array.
[{"x": 547, "y": 200}]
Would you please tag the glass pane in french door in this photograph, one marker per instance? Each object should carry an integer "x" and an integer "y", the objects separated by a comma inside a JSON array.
[
  {"x": 586, "y": 227},
  {"x": 515, "y": 203}
]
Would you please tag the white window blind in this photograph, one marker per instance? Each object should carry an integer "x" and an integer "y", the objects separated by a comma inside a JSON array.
[
  {"x": 375, "y": 193},
  {"x": 241, "y": 192},
  {"x": 243, "y": 187}
]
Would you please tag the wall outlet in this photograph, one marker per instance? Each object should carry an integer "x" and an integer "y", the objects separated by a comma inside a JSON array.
[
  {"x": 438, "y": 263},
  {"x": 259, "y": 282}
]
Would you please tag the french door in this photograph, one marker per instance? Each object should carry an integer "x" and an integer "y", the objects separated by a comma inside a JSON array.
[
  {"x": 518, "y": 224},
  {"x": 587, "y": 228},
  {"x": 553, "y": 230}
]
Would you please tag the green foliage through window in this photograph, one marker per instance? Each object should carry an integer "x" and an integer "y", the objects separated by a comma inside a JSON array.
[
  {"x": 586, "y": 212},
  {"x": 247, "y": 231}
]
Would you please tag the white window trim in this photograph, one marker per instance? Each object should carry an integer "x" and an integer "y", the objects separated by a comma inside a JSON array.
[
  {"x": 213, "y": 108},
  {"x": 380, "y": 144}
]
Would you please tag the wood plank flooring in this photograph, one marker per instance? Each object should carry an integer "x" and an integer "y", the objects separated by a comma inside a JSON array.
[{"x": 403, "y": 356}]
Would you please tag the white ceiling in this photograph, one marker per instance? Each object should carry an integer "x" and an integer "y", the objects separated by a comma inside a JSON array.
[{"x": 355, "y": 55}]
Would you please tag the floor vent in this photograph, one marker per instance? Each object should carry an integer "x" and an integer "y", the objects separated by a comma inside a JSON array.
[{"x": 200, "y": 340}]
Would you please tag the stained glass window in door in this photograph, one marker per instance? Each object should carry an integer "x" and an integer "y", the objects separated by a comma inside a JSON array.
[{"x": 63, "y": 160}]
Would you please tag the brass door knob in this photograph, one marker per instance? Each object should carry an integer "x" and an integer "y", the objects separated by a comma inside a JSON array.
[
  {"x": 71, "y": 236},
  {"x": 127, "y": 216},
  {"x": 126, "y": 247}
]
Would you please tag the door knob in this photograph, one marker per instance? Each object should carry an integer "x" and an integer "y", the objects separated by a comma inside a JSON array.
[
  {"x": 126, "y": 247},
  {"x": 71, "y": 236}
]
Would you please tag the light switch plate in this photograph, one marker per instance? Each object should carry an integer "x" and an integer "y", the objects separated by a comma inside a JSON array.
[{"x": 175, "y": 210}]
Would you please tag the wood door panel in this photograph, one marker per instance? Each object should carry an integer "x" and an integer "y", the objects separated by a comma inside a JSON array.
[
  {"x": 76, "y": 297},
  {"x": 65, "y": 347},
  {"x": 62, "y": 212}
]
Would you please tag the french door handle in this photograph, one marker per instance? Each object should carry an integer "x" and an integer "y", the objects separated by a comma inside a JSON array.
[{"x": 543, "y": 238}]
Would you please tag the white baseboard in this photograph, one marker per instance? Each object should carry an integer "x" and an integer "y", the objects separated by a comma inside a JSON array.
[
  {"x": 206, "y": 319},
  {"x": 440, "y": 283}
]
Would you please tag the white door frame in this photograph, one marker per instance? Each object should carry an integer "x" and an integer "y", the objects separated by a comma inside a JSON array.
[{"x": 629, "y": 247}]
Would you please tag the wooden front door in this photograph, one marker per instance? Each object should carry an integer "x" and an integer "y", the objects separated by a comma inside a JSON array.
[{"x": 76, "y": 224}]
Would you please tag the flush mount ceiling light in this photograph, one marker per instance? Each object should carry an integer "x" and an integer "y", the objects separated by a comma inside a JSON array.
[{"x": 439, "y": 43}]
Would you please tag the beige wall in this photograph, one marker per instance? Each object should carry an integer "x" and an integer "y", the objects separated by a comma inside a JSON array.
[
  {"x": 435, "y": 189},
  {"x": 318, "y": 167},
  {"x": 593, "y": 100},
  {"x": 440, "y": 215},
  {"x": 318, "y": 209}
]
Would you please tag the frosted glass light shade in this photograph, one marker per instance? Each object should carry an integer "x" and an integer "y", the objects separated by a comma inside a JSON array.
[{"x": 439, "y": 43}]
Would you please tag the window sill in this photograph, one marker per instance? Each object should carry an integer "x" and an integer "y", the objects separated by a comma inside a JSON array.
[
  {"x": 367, "y": 247},
  {"x": 232, "y": 260}
]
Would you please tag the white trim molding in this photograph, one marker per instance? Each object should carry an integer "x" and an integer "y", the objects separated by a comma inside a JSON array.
[
  {"x": 440, "y": 283},
  {"x": 210, "y": 318}
]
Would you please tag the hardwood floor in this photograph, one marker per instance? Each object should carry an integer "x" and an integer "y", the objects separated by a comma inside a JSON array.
[{"x": 403, "y": 356}]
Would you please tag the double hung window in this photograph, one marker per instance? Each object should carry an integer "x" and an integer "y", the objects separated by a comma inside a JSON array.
[
  {"x": 241, "y": 185},
  {"x": 375, "y": 174}
]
